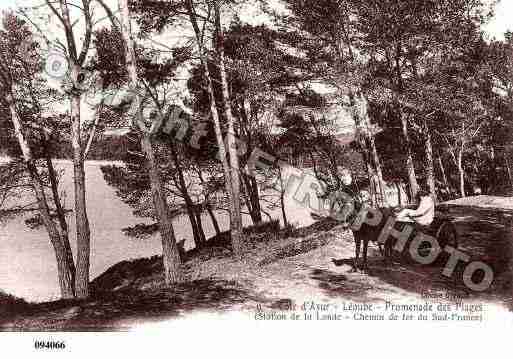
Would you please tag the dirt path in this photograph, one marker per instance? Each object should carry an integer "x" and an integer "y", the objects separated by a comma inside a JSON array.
[{"x": 324, "y": 273}]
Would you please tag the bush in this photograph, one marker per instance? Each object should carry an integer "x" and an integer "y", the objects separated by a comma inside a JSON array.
[
  {"x": 11, "y": 305},
  {"x": 272, "y": 226},
  {"x": 289, "y": 229}
]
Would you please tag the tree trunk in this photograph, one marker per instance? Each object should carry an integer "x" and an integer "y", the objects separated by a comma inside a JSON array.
[
  {"x": 249, "y": 180},
  {"x": 194, "y": 226},
  {"x": 199, "y": 240},
  {"x": 282, "y": 199},
  {"x": 430, "y": 168},
  {"x": 213, "y": 219},
  {"x": 444, "y": 177},
  {"x": 76, "y": 60},
  {"x": 371, "y": 176},
  {"x": 370, "y": 172},
  {"x": 170, "y": 254},
  {"x": 233, "y": 210},
  {"x": 236, "y": 218},
  {"x": 461, "y": 173},
  {"x": 61, "y": 215},
  {"x": 508, "y": 239},
  {"x": 399, "y": 190},
  {"x": 83, "y": 233},
  {"x": 251, "y": 195},
  {"x": 379, "y": 172},
  {"x": 509, "y": 170},
  {"x": 368, "y": 146},
  {"x": 246, "y": 198},
  {"x": 374, "y": 151},
  {"x": 255, "y": 199},
  {"x": 410, "y": 167},
  {"x": 64, "y": 267},
  {"x": 199, "y": 222}
]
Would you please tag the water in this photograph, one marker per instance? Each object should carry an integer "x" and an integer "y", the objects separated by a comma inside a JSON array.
[{"x": 27, "y": 261}]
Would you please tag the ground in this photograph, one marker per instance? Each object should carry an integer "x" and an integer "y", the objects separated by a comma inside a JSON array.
[{"x": 279, "y": 269}]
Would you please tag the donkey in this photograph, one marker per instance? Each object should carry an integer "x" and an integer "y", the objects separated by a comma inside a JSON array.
[
  {"x": 368, "y": 232},
  {"x": 348, "y": 209},
  {"x": 351, "y": 211}
]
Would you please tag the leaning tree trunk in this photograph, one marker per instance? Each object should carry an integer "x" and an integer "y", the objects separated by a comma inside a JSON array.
[
  {"x": 64, "y": 266},
  {"x": 213, "y": 218},
  {"x": 232, "y": 184},
  {"x": 249, "y": 180},
  {"x": 210, "y": 211},
  {"x": 197, "y": 229},
  {"x": 509, "y": 169},
  {"x": 195, "y": 226},
  {"x": 219, "y": 139},
  {"x": 246, "y": 198},
  {"x": 170, "y": 254},
  {"x": 282, "y": 198},
  {"x": 60, "y": 243},
  {"x": 201, "y": 233},
  {"x": 61, "y": 214},
  {"x": 198, "y": 242},
  {"x": 251, "y": 196},
  {"x": 196, "y": 234}
]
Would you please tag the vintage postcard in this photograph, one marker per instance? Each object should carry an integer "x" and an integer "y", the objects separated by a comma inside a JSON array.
[{"x": 220, "y": 174}]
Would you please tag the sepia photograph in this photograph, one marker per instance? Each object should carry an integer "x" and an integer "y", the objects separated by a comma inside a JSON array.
[{"x": 315, "y": 165}]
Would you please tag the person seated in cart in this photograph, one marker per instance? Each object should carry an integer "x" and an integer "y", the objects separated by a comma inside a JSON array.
[{"x": 423, "y": 215}]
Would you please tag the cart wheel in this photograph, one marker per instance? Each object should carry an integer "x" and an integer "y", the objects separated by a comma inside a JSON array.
[{"x": 447, "y": 235}]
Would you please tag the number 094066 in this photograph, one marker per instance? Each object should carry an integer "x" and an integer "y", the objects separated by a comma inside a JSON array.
[{"x": 49, "y": 345}]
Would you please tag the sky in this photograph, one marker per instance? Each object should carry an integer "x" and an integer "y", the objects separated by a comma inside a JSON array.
[{"x": 503, "y": 19}]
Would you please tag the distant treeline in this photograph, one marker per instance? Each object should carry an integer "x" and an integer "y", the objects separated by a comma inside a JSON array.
[{"x": 104, "y": 148}]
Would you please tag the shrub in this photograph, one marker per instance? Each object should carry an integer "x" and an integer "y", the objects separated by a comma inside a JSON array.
[
  {"x": 272, "y": 226},
  {"x": 11, "y": 305}
]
